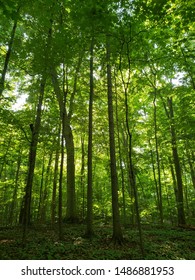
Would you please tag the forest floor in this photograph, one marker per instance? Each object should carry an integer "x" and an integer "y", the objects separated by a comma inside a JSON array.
[{"x": 160, "y": 243}]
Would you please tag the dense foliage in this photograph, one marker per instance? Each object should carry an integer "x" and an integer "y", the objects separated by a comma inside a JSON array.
[{"x": 97, "y": 113}]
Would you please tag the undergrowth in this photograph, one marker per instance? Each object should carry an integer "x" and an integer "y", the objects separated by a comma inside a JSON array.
[{"x": 43, "y": 244}]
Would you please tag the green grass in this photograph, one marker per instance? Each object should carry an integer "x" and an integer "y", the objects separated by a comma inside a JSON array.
[{"x": 42, "y": 243}]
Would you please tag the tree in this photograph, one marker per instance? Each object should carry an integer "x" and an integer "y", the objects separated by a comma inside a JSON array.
[
  {"x": 89, "y": 231},
  {"x": 180, "y": 205},
  {"x": 26, "y": 208},
  {"x": 15, "y": 15},
  {"x": 117, "y": 232}
]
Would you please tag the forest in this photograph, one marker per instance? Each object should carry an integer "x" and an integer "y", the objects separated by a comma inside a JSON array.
[{"x": 97, "y": 129}]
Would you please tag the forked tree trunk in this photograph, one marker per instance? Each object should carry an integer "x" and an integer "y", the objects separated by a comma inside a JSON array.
[
  {"x": 131, "y": 170},
  {"x": 71, "y": 214}
]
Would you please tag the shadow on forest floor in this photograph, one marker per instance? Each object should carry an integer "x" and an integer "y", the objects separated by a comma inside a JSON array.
[{"x": 43, "y": 244}]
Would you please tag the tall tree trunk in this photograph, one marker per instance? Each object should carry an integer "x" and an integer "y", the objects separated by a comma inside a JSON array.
[
  {"x": 45, "y": 190},
  {"x": 14, "y": 198},
  {"x": 117, "y": 232},
  {"x": 71, "y": 215},
  {"x": 160, "y": 205},
  {"x": 174, "y": 182},
  {"x": 191, "y": 164},
  {"x": 122, "y": 178},
  {"x": 154, "y": 175},
  {"x": 181, "y": 213},
  {"x": 121, "y": 163},
  {"x": 60, "y": 188},
  {"x": 89, "y": 230},
  {"x": 82, "y": 184},
  {"x": 8, "y": 54},
  {"x": 53, "y": 203},
  {"x": 25, "y": 213},
  {"x": 41, "y": 189},
  {"x": 132, "y": 177},
  {"x": 71, "y": 212},
  {"x": 131, "y": 173},
  {"x": 32, "y": 158},
  {"x": 129, "y": 185}
]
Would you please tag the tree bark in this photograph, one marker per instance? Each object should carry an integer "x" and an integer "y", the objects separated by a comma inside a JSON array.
[
  {"x": 117, "y": 232},
  {"x": 180, "y": 201},
  {"x": 191, "y": 164},
  {"x": 8, "y": 54},
  {"x": 14, "y": 198},
  {"x": 25, "y": 215},
  {"x": 44, "y": 200},
  {"x": 121, "y": 163},
  {"x": 160, "y": 205},
  {"x": 53, "y": 203},
  {"x": 60, "y": 188},
  {"x": 71, "y": 214},
  {"x": 82, "y": 184},
  {"x": 89, "y": 230}
]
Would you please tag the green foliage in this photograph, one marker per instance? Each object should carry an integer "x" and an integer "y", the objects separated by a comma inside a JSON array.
[{"x": 152, "y": 60}]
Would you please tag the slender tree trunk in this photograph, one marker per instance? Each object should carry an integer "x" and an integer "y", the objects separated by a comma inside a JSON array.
[
  {"x": 14, "y": 198},
  {"x": 158, "y": 160},
  {"x": 174, "y": 182},
  {"x": 53, "y": 203},
  {"x": 45, "y": 190},
  {"x": 121, "y": 163},
  {"x": 181, "y": 213},
  {"x": 131, "y": 175},
  {"x": 89, "y": 230},
  {"x": 191, "y": 165},
  {"x": 41, "y": 189},
  {"x": 25, "y": 215},
  {"x": 132, "y": 178},
  {"x": 122, "y": 180},
  {"x": 82, "y": 184},
  {"x": 71, "y": 213},
  {"x": 117, "y": 232},
  {"x": 154, "y": 175},
  {"x": 129, "y": 187},
  {"x": 8, "y": 54},
  {"x": 60, "y": 188},
  {"x": 32, "y": 158},
  {"x": 179, "y": 193}
]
